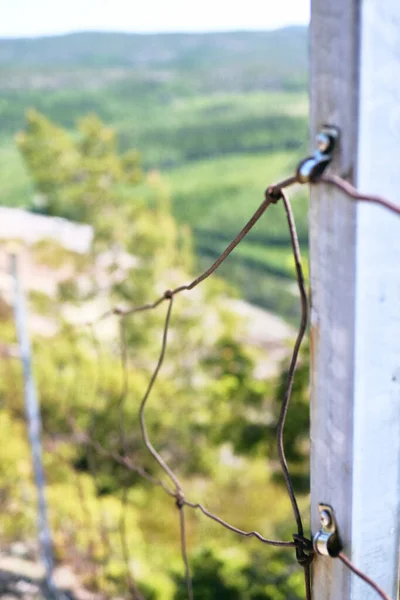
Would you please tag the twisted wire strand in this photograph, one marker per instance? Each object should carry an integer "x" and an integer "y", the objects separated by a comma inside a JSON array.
[
  {"x": 273, "y": 195},
  {"x": 307, "y": 581},
  {"x": 353, "y": 192},
  {"x": 125, "y": 461},
  {"x": 145, "y": 435},
  {"x": 293, "y": 361},
  {"x": 346, "y": 561},
  {"x": 118, "y": 310},
  {"x": 255, "y": 534}
]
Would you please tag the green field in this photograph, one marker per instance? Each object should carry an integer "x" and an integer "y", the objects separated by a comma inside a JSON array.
[{"x": 220, "y": 115}]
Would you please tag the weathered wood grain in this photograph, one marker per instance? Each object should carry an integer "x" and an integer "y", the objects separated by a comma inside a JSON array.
[{"x": 355, "y": 287}]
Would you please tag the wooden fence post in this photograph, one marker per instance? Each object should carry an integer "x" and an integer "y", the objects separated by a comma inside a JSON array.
[{"x": 355, "y": 295}]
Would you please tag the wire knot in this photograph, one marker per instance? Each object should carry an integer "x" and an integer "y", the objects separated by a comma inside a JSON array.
[
  {"x": 304, "y": 550},
  {"x": 180, "y": 500},
  {"x": 273, "y": 194},
  {"x": 168, "y": 294}
]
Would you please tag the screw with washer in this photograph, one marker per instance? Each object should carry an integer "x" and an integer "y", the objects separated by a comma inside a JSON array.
[
  {"x": 323, "y": 142},
  {"x": 326, "y": 519}
]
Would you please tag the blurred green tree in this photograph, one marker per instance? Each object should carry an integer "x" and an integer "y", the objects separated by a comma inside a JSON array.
[
  {"x": 76, "y": 176},
  {"x": 216, "y": 578},
  {"x": 206, "y": 396}
]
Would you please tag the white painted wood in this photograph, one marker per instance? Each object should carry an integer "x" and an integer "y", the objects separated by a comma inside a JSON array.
[
  {"x": 334, "y": 46},
  {"x": 355, "y": 287},
  {"x": 376, "y": 470}
]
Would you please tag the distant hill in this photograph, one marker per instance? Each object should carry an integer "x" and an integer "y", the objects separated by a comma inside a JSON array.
[
  {"x": 283, "y": 49},
  {"x": 238, "y": 61}
]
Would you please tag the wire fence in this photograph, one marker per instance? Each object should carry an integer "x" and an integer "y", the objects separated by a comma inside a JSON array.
[{"x": 170, "y": 483}]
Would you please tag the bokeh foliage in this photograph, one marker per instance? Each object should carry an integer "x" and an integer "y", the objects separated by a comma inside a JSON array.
[{"x": 208, "y": 415}]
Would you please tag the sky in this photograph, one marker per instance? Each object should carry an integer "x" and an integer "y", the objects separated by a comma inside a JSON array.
[{"x": 20, "y": 18}]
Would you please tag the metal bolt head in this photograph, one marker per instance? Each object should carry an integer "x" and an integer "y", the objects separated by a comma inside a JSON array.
[
  {"x": 323, "y": 142},
  {"x": 326, "y": 519}
]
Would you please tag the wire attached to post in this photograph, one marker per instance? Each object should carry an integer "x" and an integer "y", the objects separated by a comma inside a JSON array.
[{"x": 327, "y": 542}]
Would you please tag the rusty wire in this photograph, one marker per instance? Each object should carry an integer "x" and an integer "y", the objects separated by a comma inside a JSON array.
[
  {"x": 248, "y": 534},
  {"x": 304, "y": 553},
  {"x": 269, "y": 199},
  {"x": 346, "y": 561},
  {"x": 302, "y": 544},
  {"x": 353, "y": 193}
]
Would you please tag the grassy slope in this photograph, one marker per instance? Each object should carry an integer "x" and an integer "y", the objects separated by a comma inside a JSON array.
[{"x": 222, "y": 115}]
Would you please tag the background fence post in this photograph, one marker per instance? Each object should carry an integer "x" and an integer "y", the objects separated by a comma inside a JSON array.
[
  {"x": 34, "y": 422},
  {"x": 355, "y": 295}
]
